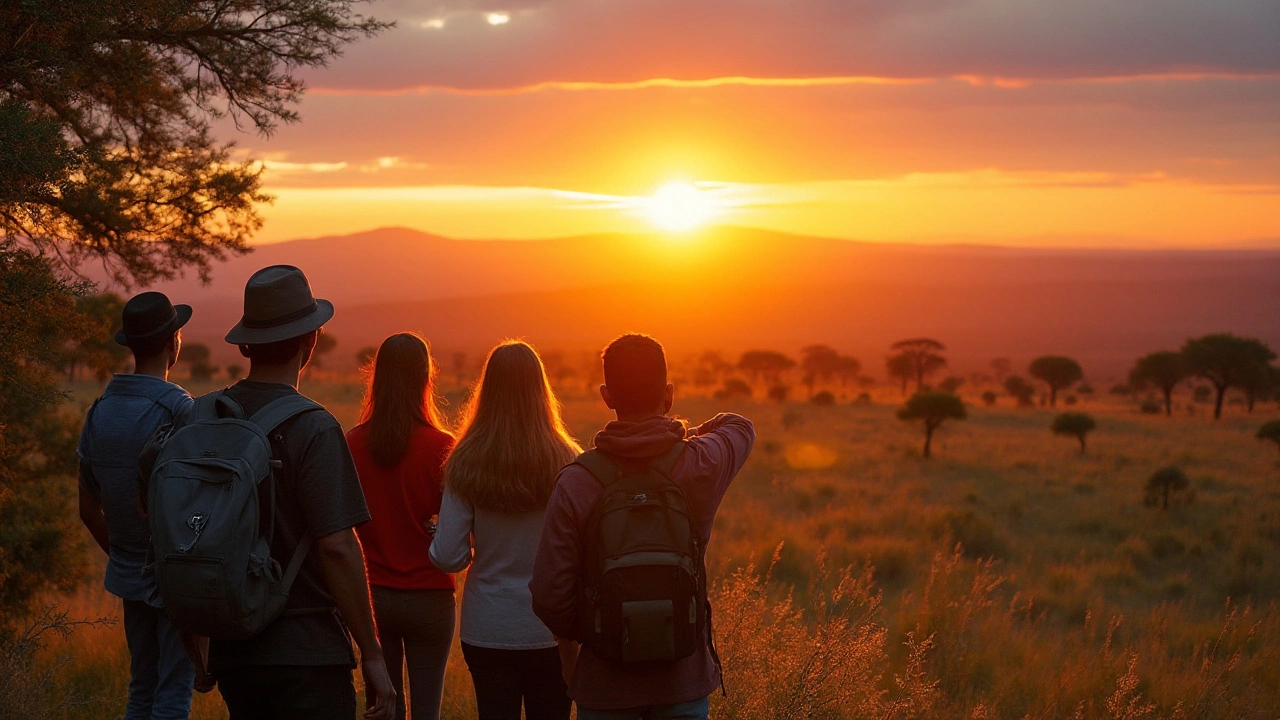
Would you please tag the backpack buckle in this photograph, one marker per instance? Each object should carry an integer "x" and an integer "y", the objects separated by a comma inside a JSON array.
[{"x": 639, "y": 498}]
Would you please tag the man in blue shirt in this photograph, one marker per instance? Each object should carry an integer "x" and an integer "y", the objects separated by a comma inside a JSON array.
[{"x": 118, "y": 425}]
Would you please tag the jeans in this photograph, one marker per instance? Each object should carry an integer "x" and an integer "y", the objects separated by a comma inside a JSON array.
[
  {"x": 692, "y": 710},
  {"x": 289, "y": 692},
  {"x": 416, "y": 627},
  {"x": 160, "y": 672},
  {"x": 505, "y": 678}
]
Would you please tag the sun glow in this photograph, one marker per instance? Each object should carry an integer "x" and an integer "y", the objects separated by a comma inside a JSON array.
[{"x": 680, "y": 207}]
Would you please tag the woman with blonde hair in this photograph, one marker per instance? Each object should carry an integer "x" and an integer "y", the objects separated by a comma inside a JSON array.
[
  {"x": 511, "y": 447},
  {"x": 399, "y": 448}
]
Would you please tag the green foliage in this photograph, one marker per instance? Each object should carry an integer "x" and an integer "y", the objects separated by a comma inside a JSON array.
[
  {"x": 1074, "y": 424},
  {"x": 1226, "y": 361},
  {"x": 98, "y": 350},
  {"x": 1164, "y": 484},
  {"x": 932, "y": 409},
  {"x": 105, "y": 143},
  {"x": 1057, "y": 372},
  {"x": 39, "y": 314}
]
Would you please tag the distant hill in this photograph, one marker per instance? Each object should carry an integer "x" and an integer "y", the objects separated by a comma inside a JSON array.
[{"x": 733, "y": 288}]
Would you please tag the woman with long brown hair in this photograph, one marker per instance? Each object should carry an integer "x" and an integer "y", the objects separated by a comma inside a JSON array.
[
  {"x": 511, "y": 447},
  {"x": 399, "y": 448}
]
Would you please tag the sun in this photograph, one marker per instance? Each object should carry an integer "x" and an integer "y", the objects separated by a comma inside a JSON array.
[{"x": 680, "y": 207}]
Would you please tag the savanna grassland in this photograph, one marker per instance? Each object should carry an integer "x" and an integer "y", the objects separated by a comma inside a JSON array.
[{"x": 1009, "y": 576}]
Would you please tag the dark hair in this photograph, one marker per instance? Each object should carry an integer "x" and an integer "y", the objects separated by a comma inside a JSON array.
[
  {"x": 144, "y": 350},
  {"x": 399, "y": 397},
  {"x": 274, "y": 353},
  {"x": 635, "y": 371}
]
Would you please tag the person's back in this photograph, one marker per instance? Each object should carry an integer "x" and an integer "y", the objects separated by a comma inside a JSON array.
[
  {"x": 497, "y": 482},
  {"x": 117, "y": 427},
  {"x": 636, "y": 388},
  {"x": 300, "y": 665},
  {"x": 399, "y": 450}
]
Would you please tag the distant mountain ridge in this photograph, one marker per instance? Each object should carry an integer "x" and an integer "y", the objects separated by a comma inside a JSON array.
[{"x": 733, "y": 288}]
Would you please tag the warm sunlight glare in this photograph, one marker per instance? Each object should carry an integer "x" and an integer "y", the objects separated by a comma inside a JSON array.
[
  {"x": 498, "y": 18},
  {"x": 680, "y": 207}
]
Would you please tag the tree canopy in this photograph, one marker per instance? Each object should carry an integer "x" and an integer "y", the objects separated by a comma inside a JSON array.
[
  {"x": 1057, "y": 372},
  {"x": 1226, "y": 361},
  {"x": 1270, "y": 430},
  {"x": 106, "y": 151},
  {"x": 1074, "y": 424},
  {"x": 1163, "y": 370},
  {"x": 1164, "y": 484},
  {"x": 768, "y": 364},
  {"x": 922, "y": 355},
  {"x": 933, "y": 409}
]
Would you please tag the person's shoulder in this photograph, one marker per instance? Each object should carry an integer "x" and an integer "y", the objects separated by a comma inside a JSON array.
[{"x": 433, "y": 436}]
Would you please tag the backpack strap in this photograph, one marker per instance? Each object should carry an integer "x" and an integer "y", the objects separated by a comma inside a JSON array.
[
  {"x": 666, "y": 462},
  {"x": 604, "y": 470},
  {"x": 281, "y": 409},
  {"x": 206, "y": 407}
]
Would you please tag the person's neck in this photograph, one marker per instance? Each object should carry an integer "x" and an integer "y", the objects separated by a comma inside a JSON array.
[
  {"x": 639, "y": 417},
  {"x": 286, "y": 374},
  {"x": 157, "y": 367}
]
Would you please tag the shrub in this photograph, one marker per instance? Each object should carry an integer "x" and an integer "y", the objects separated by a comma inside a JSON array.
[
  {"x": 1121, "y": 390},
  {"x": 1165, "y": 484},
  {"x": 1270, "y": 431},
  {"x": 778, "y": 392},
  {"x": 791, "y": 420},
  {"x": 733, "y": 388},
  {"x": 1150, "y": 407},
  {"x": 824, "y": 399},
  {"x": 989, "y": 398},
  {"x": 1074, "y": 424},
  {"x": 862, "y": 399}
]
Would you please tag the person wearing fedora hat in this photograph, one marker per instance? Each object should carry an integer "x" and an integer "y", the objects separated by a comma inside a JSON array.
[
  {"x": 300, "y": 665},
  {"x": 132, "y": 407}
]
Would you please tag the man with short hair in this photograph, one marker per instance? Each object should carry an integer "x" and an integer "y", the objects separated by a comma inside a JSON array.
[
  {"x": 299, "y": 666},
  {"x": 636, "y": 389},
  {"x": 132, "y": 407}
]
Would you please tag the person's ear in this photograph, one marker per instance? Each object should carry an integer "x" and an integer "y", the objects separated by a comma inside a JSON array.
[
  {"x": 307, "y": 347},
  {"x": 604, "y": 395},
  {"x": 244, "y": 350},
  {"x": 668, "y": 398},
  {"x": 175, "y": 348}
]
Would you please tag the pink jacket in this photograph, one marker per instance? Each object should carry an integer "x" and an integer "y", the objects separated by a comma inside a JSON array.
[{"x": 716, "y": 452}]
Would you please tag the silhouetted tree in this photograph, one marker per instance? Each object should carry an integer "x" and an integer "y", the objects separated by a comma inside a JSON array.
[
  {"x": 1020, "y": 389},
  {"x": 1259, "y": 384},
  {"x": 901, "y": 368},
  {"x": 1074, "y": 424},
  {"x": 98, "y": 350},
  {"x": 849, "y": 370},
  {"x": 779, "y": 392},
  {"x": 196, "y": 356},
  {"x": 711, "y": 368},
  {"x": 989, "y": 398},
  {"x": 1057, "y": 372},
  {"x": 925, "y": 356},
  {"x": 820, "y": 362},
  {"x": 1121, "y": 390},
  {"x": 766, "y": 364},
  {"x": 1163, "y": 370},
  {"x": 951, "y": 384},
  {"x": 733, "y": 388},
  {"x": 823, "y": 399},
  {"x": 104, "y": 122},
  {"x": 1270, "y": 431},
  {"x": 235, "y": 372},
  {"x": 325, "y": 344},
  {"x": 1225, "y": 360},
  {"x": 1001, "y": 366},
  {"x": 1164, "y": 484},
  {"x": 933, "y": 409}
]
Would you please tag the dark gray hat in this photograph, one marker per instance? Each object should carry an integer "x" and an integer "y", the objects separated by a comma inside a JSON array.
[
  {"x": 278, "y": 305},
  {"x": 150, "y": 315}
]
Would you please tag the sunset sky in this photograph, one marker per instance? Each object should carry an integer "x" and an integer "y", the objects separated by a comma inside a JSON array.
[{"x": 1133, "y": 123}]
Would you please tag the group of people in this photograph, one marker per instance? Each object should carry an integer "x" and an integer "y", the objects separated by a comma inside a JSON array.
[{"x": 392, "y": 509}]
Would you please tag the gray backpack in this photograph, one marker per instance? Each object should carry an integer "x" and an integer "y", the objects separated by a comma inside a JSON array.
[{"x": 213, "y": 563}]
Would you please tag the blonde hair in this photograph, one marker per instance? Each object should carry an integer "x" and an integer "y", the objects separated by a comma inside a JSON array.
[{"x": 512, "y": 442}]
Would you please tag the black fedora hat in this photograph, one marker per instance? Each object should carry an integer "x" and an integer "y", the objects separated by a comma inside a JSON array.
[
  {"x": 278, "y": 305},
  {"x": 150, "y": 315}
]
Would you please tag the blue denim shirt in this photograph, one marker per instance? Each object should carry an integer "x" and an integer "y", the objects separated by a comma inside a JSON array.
[{"x": 118, "y": 426}]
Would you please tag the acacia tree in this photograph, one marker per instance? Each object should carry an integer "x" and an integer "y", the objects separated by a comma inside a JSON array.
[
  {"x": 1020, "y": 389},
  {"x": 1057, "y": 372},
  {"x": 923, "y": 355},
  {"x": 1164, "y": 484},
  {"x": 1270, "y": 431},
  {"x": 765, "y": 363},
  {"x": 900, "y": 368},
  {"x": 105, "y": 110},
  {"x": 1259, "y": 384},
  {"x": 1226, "y": 361},
  {"x": 932, "y": 409},
  {"x": 819, "y": 363},
  {"x": 1163, "y": 370},
  {"x": 1074, "y": 424}
]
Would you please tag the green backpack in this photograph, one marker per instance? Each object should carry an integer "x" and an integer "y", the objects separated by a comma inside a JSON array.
[{"x": 212, "y": 562}]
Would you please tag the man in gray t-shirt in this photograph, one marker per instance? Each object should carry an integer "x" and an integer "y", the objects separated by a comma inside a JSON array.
[{"x": 131, "y": 409}]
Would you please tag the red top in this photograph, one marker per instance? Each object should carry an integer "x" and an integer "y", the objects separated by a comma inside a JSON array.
[{"x": 402, "y": 500}]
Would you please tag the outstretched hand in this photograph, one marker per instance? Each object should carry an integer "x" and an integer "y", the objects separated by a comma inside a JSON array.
[{"x": 379, "y": 695}]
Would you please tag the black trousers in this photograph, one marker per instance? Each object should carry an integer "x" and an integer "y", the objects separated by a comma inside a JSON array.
[
  {"x": 289, "y": 692},
  {"x": 505, "y": 679},
  {"x": 415, "y": 628}
]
